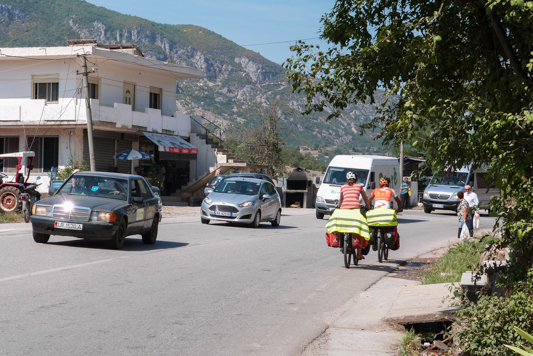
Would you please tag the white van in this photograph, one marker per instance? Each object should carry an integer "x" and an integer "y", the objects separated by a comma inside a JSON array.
[
  {"x": 369, "y": 170},
  {"x": 442, "y": 191}
]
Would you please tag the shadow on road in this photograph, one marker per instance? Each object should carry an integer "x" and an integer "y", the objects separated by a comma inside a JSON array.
[
  {"x": 409, "y": 221},
  {"x": 263, "y": 226},
  {"x": 378, "y": 267},
  {"x": 131, "y": 244}
]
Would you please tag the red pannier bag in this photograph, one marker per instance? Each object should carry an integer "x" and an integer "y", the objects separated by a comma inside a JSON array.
[
  {"x": 332, "y": 239},
  {"x": 359, "y": 242},
  {"x": 395, "y": 239}
]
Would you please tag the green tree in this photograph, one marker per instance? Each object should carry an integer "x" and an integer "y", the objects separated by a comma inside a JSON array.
[{"x": 458, "y": 70}]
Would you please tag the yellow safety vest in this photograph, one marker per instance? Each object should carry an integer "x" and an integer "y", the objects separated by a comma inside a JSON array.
[
  {"x": 381, "y": 217},
  {"x": 348, "y": 221}
]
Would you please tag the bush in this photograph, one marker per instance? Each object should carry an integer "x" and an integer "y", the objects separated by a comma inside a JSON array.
[
  {"x": 71, "y": 165},
  {"x": 487, "y": 326}
]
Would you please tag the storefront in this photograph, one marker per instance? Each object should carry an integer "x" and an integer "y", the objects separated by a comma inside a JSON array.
[{"x": 106, "y": 145}]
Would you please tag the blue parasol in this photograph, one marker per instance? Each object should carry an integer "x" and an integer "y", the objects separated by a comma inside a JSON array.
[{"x": 133, "y": 154}]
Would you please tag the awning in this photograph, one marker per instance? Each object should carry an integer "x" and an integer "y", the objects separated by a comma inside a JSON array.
[{"x": 171, "y": 143}]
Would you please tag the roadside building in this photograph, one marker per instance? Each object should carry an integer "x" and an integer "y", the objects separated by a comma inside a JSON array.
[{"x": 133, "y": 103}]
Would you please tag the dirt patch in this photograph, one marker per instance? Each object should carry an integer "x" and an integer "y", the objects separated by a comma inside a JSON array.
[
  {"x": 177, "y": 211},
  {"x": 414, "y": 269}
]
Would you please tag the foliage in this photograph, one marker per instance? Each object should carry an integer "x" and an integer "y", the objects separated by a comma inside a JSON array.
[
  {"x": 487, "y": 326},
  {"x": 10, "y": 217},
  {"x": 154, "y": 175},
  {"x": 458, "y": 70},
  {"x": 293, "y": 158},
  {"x": 526, "y": 351},
  {"x": 66, "y": 171},
  {"x": 458, "y": 259},
  {"x": 410, "y": 344}
]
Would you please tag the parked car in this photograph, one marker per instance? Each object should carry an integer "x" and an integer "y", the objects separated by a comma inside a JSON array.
[
  {"x": 217, "y": 179},
  {"x": 242, "y": 200},
  {"x": 100, "y": 206}
]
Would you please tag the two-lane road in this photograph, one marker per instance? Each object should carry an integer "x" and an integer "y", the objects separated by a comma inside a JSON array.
[{"x": 211, "y": 289}]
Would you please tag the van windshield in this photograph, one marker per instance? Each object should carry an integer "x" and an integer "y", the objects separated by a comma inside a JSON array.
[
  {"x": 337, "y": 175},
  {"x": 450, "y": 178}
]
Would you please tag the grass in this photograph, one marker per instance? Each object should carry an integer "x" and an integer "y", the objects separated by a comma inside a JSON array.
[
  {"x": 11, "y": 217},
  {"x": 410, "y": 344},
  {"x": 459, "y": 258}
]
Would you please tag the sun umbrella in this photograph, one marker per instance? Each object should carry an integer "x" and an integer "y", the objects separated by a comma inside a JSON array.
[{"x": 133, "y": 154}]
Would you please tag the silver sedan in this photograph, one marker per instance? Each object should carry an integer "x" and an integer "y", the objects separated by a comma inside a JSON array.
[{"x": 243, "y": 200}]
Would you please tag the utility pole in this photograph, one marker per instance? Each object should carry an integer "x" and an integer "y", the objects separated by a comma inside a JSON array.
[
  {"x": 401, "y": 163},
  {"x": 89, "y": 115}
]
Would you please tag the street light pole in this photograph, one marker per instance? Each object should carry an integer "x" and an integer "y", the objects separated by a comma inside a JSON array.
[{"x": 89, "y": 115}]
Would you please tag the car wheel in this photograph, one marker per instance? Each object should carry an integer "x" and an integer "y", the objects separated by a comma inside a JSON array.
[
  {"x": 10, "y": 199},
  {"x": 257, "y": 220},
  {"x": 319, "y": 216},
  {"x": 150, "y": 237},
  {"x": 204, "y": 221},
  {"x": 40, "y": 238},
  {"x": 427, "y": 210},
  {"x": 117, "y": 242},
  {"x": 277, "y": 220}
]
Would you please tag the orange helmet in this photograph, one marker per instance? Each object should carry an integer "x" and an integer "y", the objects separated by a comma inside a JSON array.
[{"x": 384, "y": 181}]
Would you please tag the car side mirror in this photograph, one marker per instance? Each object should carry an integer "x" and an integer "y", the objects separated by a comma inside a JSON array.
[
  {"x": 266, "y": 196},
  {"x": 137, "y": 199},
  {"x": 372, "y": 185}
]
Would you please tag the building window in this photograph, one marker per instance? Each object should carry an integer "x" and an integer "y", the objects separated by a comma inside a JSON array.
[
  {"x": 9, "y": 145},
  {"x": 46, "y": 152},
  {"x": 155, "y": 98},
  {"x": 93, "y": 88},
  {"x": 46, "y": 88}
]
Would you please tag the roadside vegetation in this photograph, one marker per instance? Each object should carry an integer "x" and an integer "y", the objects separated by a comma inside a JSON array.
[{"x": 10, "y": 217}]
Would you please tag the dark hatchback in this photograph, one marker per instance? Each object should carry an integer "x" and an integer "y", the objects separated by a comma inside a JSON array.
[{"x": 100, "y": 206}]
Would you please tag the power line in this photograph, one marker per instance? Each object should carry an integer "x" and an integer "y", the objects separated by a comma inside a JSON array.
[{"x": 270, "y": 43}]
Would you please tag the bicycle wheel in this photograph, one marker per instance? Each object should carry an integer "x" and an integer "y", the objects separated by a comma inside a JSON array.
[
  {"x": 347, "y": 251},
  {"x": 380, "y": 248},
  {"x": 385, "y": 251}
]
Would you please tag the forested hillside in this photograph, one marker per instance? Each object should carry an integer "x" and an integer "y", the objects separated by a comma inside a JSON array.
[{"x": 237, "y": 83}]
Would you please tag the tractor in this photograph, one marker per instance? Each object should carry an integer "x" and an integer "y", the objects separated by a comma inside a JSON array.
[{"x": 11, "y": 189}]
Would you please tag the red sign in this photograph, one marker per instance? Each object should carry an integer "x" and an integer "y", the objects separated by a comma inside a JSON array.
[{"x": 174, "y": 150}]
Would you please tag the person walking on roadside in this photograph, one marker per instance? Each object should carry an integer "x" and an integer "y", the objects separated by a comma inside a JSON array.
[
  {"x": 473, "y": 203},
  {"x": 405, "y": 193},
  {"x": 463, "y": 212},
  {"x": 349, "y": 199}
]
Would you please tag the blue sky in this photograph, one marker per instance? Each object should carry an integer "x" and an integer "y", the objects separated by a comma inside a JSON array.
[{"x": 252, "y": 24}]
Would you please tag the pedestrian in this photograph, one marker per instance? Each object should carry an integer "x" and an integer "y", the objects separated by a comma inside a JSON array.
[
  {"x": 406, "y": 185},
  {"x": 463, "y": 212},
  {"x": 473, "y": 202}
]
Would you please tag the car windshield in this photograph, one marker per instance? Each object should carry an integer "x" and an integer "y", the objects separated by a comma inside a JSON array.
[
  {"x": 238, "y": 187},
  {"x": 80, "y": 184},
  {"x": 213, "y": 182},
  {"x": 450, "y": 178},
  {"x": 337, "y": 175}
]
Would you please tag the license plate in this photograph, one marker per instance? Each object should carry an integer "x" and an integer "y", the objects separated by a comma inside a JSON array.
[
  {"x": 67, "y": 226},
  {"x": 223, "y": 213},
  {"x": 440, "y": 206}
]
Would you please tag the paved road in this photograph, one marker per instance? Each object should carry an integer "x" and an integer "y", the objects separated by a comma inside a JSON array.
[{"x": 200, "y": 290}]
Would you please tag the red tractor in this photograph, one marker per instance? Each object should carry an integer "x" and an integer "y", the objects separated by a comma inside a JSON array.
[{"x": 11, "y": 189}]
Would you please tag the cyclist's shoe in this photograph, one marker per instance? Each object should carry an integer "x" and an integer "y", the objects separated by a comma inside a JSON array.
[{"x": 374, "y": 247}]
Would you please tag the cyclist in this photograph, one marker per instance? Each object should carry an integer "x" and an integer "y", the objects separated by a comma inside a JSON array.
[
  {"x": 379, "y": 217},
  {"x": 384, "y": 195},
  {"x": 349, "y": 199}
]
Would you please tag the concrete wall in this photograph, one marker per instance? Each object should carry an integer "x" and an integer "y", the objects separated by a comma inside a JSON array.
[{"x": 206, "y": 158}]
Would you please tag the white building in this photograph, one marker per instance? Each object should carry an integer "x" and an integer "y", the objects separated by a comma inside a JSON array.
[{"x": 43, "y": 108}]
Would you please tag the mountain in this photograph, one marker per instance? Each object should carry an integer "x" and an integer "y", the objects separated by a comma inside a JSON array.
[{"x": 238, "y": 81}]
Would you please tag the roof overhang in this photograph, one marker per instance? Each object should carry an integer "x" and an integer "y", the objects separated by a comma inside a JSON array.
[
  {"x": 69, "y": 52},
  {"x": 172, "y": 147}
]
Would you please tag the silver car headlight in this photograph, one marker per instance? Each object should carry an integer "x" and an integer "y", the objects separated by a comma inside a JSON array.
[
  {"x": 320, "y": 200},
  {"x": 246, "y": 204},
  {"x": 43, "y": 210},
  {"x": 426, "y": 195},
  {"x": 454, "y": 196},
  {"x": 208, "y": 201}
]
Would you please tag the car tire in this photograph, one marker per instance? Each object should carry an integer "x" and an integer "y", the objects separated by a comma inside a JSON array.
[
  {"x": 151, "y": 236},
  {"x": 427, "y": 210},
  {"x": 10, "y": 199},
  {"x": 277, "y": 220},
  {"x": 117, "y": 242},
  {"x": 40, "y": 238},
  {"x": 204, "y": 221},
  {"x": 257, "y": 220},
  {"x": 319, "y": 216}
]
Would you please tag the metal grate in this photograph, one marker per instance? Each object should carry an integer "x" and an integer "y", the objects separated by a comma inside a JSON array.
[
  {"x": 226, "y": 208},
  {"x": 440, "y": 196},
  {"x": 330, "y": 201},
  {"x": 76, "y": 214}
]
